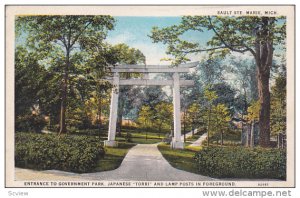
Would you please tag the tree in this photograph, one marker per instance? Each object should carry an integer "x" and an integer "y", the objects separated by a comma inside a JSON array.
[
  {"x": 245, "y": 83},
  {"x": 29, "y": 81},
  {"x": 226, "y": 95},
  {"x": 210, "y": 96},
  {"x": 253, "y": 111},
  {"x": 245, "y": 73},
  {"x": 278, "y": 106},
  {"x": 68, "y": 34},
  {"x": 252, "y": 117},
  {"x": 255, "y": 35},
  {"x": 97, "y": 107},
  {"x": 101, "y": 56},
  {"x": 124, "y": 55},
  {"x": 211, "y": 71},
  {"x": 145, "y": 116},
  {"x": 195, "y": 116},
  {"x": 221, "y": 119},
  {"x": 163, "y": 115}
]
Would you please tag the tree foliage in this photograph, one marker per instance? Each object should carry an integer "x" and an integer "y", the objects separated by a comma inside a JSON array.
[
  {"x": 256, "y": 36},
  {"x": 29, "y": 81},
  {"x": 64, "y": 37},
  {"x": 278, "y": 106},
  {"x": 220, "y": 120}
]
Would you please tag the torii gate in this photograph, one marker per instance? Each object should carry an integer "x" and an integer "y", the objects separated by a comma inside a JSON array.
[{"x": 146, "y": 69}]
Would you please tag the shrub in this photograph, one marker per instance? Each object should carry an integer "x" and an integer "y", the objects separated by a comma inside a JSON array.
[
  {"x": 47, "y": 151},
  {"x": 241, "y": 162},
  {"x": 30, "y": 123}
]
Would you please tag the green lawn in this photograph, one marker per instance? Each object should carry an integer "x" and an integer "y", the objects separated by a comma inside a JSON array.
[
  {"x": 141, "y": 137},
  {"x": 180, "y": 159},
  {"x": 113, "y": 157},
  {"x": 193, "y": 138}
]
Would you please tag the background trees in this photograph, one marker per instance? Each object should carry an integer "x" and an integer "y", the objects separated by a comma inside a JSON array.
[
  {"x": 29, "y": 81},
  {"x": 66, "y": 34},
  {"x": 29, "y": 92},
  {"x": 123, "y": 54},
  {"x": 278, "y": 101},
  {"x": 221, "y": 119},
  {"x": 75, "y": 58},
  {"x": 195, "y": 114},
  {"x": 163, "y": 116},
  {"x": 210, "y": 97},
  {"x": 255, "y": 35}
]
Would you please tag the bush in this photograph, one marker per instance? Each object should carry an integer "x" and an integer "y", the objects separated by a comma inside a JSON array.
[
  {"x": 68, "y": 153},
  {"x": 241, "y": 162},
  {"x": 30, "y": 123}
]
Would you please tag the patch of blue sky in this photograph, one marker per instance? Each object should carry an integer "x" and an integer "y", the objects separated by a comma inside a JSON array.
[{"x": 135, "y": 31}]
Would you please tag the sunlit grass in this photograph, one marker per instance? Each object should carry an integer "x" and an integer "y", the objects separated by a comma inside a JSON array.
[
  {"x": 193, "y": 148},
  {"x": 180, "y": 159}
]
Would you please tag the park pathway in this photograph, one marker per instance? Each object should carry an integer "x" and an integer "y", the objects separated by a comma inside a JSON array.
[
  {"x": 189, "y": 134},
  {"x": 199, "y": 141},
  {"x": 143, "y": 162}
]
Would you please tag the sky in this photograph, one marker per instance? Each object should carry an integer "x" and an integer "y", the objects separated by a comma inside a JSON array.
[{"x": 134, "y": 32}]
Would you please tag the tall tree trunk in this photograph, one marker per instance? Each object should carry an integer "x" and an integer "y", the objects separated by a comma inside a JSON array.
[
  {"x": 63, "y": 105},
  {"x": 193, "y": 129},
  {"x": 253, "y": 85},
  {"x": 146, "y": 130},
  {"x": 120, "y": 126},
  {"x": 222, "y": 139},
  {"x": 99, "y": 114},
  {"x": 184, "y": 124},
  {"x": 264, "y": 57},
  {"x": 120, "y": 116},
  {"x": 208, "y": 125},
  {"x": 159, "y": 129},
  {"x": 264, "y": 113},
  {"x": 252, "y": 134}
]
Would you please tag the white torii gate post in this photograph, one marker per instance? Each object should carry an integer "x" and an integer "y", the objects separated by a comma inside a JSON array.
[
  {"x": 176, "y": 141},
  {"x": 111, "y": 142}
]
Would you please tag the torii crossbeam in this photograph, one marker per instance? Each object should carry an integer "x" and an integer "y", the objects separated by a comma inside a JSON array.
[{"x": 146, "y": 69}]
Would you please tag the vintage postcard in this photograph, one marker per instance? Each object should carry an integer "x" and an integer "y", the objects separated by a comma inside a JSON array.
[{"x": 150, "y": 96}]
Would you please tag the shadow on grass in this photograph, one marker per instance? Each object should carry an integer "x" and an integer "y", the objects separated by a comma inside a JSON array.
[{"x": 113, "y": 157}]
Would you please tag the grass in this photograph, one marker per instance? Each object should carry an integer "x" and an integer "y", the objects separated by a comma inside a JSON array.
[
  {"x": 113, "y": 157},
  {"x": 193, "y": 138},
  {"x": 180, "y": 159},
  {"x": 194, "y": 148},
  {"x": 140, "y": 137}
]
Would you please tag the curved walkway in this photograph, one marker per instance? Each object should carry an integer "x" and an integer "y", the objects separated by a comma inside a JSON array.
[
  {"x": 199, "y": 141},
  {"x": 143, "y": 162}
]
